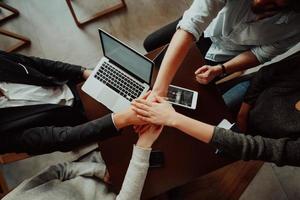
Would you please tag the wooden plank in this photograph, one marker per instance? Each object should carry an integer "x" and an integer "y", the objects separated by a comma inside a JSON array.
[
  {"x": 96, "y": 15},
  {"x": 14, "y": 12},
  {"x": 23, "y": 41},
  {"x": 3, "y": 186},
  {"x": 12, "y": 157}
]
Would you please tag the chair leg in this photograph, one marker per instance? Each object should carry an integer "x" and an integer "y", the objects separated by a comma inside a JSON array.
[
  {"x": 3, "y": 186},
  {"x": 95, "y": 16},
  {"x": 23, "y": 40},
  {"x": 14, "y": 11}
]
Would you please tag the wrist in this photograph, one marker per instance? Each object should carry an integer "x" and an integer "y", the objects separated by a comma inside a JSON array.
[
  {"x": 159, "y": 91},
  {"x": 173, "y": 120},
  {"x": 144, "y": 143},
  {"x": 218, "y": 70},
  {"x": 86, "y": 73},
  {"x": 121, "y": 120}
]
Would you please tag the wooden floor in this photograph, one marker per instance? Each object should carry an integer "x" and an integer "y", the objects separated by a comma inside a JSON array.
[
  {"x": 227, "y": 183},
  {"x": 54, "y": 35}
]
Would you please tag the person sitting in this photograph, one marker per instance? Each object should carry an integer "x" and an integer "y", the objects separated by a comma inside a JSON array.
[
  {"x": 39, "y": 112},
  {"x": 85, "y": 178},
  {"x": 35, "y": 94},
  {"x": 272, "y": 104},
  {"x": 232, "y": 35}
]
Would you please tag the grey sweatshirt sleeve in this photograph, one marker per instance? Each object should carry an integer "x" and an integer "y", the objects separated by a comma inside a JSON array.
[
  {"x": 136, "y": 174},
  {"x": 282, "y": 151},
  {"x": 57, "y": 173},
  {"x": 66, "y": 171}
]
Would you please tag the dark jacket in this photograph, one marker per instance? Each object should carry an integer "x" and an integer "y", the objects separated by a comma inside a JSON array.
[
  {"x": 274, "y": 122},
  {"x": 17, "y": 122},
  {"x": 50, "y": 138},
  {"x": 38, "y": 71}
]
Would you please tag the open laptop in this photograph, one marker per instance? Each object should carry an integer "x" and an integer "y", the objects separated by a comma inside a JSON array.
[{"x": 121, "y": 75}]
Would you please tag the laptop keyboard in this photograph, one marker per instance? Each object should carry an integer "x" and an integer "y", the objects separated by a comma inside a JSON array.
[{"x": 119, "y": 82}]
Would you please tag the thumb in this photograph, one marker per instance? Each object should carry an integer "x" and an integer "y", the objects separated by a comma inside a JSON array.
[
  {"x": 145, "y": 96},
  {"x": 160, "y": 99},
  {"x": 201, "y": 69}
]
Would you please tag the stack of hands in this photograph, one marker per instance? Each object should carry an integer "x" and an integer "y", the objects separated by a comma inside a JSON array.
[
  {"x": 149, "y": 114},
  {"x": 153, "y": 112}
]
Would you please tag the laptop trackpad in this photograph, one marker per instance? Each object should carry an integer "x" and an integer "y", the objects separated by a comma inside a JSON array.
[{"x": 108, "y": 98}]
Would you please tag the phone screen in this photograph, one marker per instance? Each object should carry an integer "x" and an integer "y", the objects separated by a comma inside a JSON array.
[{"x": 180, "y": 96}]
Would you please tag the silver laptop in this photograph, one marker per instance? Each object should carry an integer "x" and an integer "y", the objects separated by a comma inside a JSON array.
[{"x": 122, "y": 74}]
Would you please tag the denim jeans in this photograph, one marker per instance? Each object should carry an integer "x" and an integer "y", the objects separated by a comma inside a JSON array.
[{"x": 233, "y": 98}]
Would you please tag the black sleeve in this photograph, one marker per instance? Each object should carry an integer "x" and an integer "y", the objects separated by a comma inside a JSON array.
[
  {"x": 48, "y": 139},
  {"x": 283, "y": 151},
  {"x": 267, "y": 75},
  {"x": 57, "y": 69}
]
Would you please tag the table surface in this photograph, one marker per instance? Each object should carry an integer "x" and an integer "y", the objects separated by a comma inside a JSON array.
[{"x": 185, "y": 157}]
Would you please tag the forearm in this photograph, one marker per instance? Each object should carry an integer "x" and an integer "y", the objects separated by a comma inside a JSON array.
[
  {"x": 136, "y": 174},
  {"x": 177, "y": 50},
  {"x": 194, "y": 128},
  {"x": 48, "y": 139},
  {"x": 281, "y": 151},
  {"x": 241, "y": 62},
  {"x": 120, "y": 120},
  {"x": 57, "y": 68}
]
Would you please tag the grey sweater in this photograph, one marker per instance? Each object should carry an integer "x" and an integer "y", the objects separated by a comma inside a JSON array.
[
  {"x": 82, "y": 180},
  {"x": 274, "y": 123}
]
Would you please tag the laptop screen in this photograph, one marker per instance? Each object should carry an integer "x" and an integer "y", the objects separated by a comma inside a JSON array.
[{"x": 126, "y": 57}]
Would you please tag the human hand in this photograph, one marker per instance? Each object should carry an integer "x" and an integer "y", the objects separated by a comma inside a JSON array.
[
  {"x": 128, "y": 116},
  {"x": 86, "y": 74},
  {"x": 159, "y": 112},
  {"x": 150, "y": 98},
  {"x": 148, "y": 135},
  {"x": 155, "y": 93},
  {"x": 106, "y": 177},
  {"x": 207, "y": 73}
]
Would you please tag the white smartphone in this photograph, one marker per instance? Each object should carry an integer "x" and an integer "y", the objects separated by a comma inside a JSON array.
[{"x": 182, "y": 97}]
